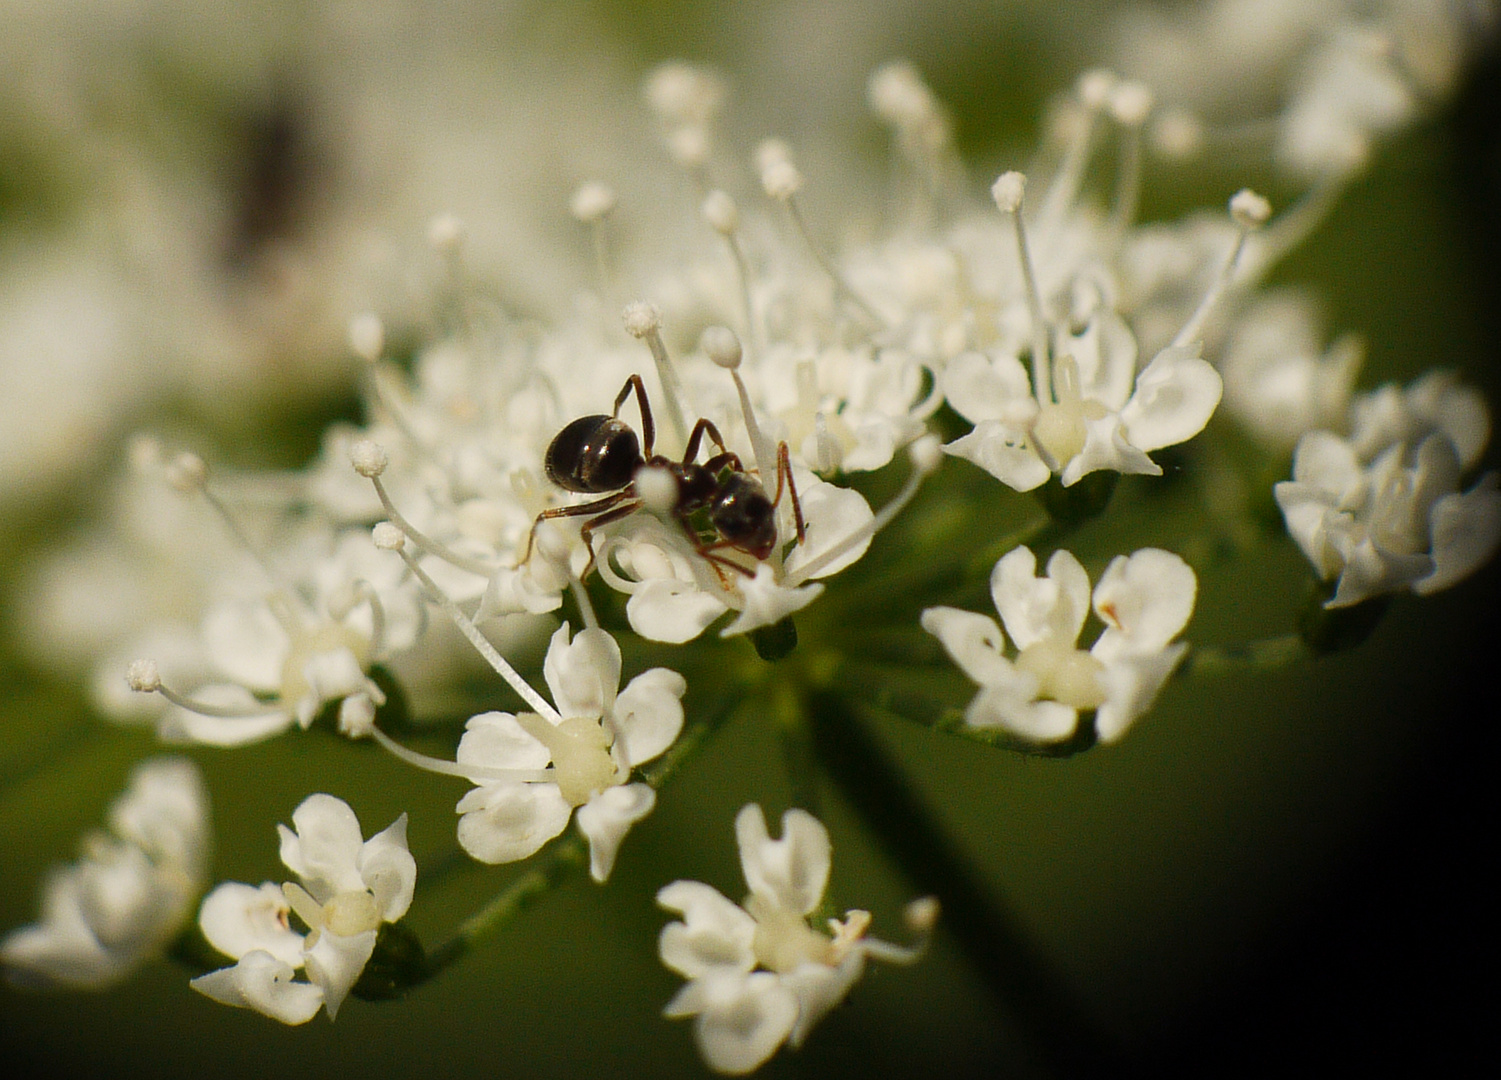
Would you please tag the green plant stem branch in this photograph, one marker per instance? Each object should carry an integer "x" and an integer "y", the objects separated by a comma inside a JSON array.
[
  {"x": 566, "y": 858},
  {"x": 991, "y": 938},
  {"x": 1266, "y": 654}
]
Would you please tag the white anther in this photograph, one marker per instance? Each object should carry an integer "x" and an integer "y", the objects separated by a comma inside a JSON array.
[
  {"x": 368, "y": 458},
  {"x": 144, "y": 452},
  {"x": 1176, "y": 134},
  {"x": 144, "y": 676},
  {"x": 689, "y": 146},
  {"x": 1007, "y": 191},
  {"x": 921, "y": 915},
  {"x": 1129, "y": 103},
  {"x": 641, "y": 319},
  {"x": 388, "y": 537},
  {"x": 591, "y": 202},
  {"x": 367, "y": 336},
  {"x": 781, "y": 180},
  {"x": 898, "y": 94},
  {"x": 721, "y": 212},
  {"x": 445, "y": 232},
  {"x": 1249, "y": 209},
  {"x": 721, "y": 346},
  {"x": 658, "y": 489},
  {"x": 187, "y": 472},
  {"x": 1095, "y": 87},
  {"x": 681, "y": 93},
  {"x": 926, "y": 454}
]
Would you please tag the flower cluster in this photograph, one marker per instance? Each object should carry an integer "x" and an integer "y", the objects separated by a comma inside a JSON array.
[
  {"x": 348, "y": 888},
  {"x": 131, "y": 893},
  {"x": 758, "y": 974},
  {"x": 722, "y": 462}
]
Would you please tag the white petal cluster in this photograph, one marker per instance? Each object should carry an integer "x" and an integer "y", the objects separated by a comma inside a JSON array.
[
  {"x": 1145, "y": 600},
  {"x": 130, "y": 894},
  {"x": 348, "y": 888},
  {"x": 532, "y": 772},
  {"x": 1382, "y": 509},
  {"x": 758, "y": 974}
]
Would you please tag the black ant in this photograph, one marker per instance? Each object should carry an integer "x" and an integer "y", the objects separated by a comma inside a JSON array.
[{"x": 598, "y": 454}]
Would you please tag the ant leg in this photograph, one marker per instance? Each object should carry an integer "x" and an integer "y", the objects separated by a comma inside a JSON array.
[
  {"x": 586, "y": 533},
  {"x": 727, "y": 460},
  {"x": 648, "y": 428},
  {"x": 608, "y": 503},
  {"x": 784, "y": 468},
  {"x": 704, "y": 425}
]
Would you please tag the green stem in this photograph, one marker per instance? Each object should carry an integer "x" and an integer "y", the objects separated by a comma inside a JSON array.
[
  {"x": 565, "y": 858},
  {"x": 1267, "y": 654},
  {"x": 991, "y": 937}
]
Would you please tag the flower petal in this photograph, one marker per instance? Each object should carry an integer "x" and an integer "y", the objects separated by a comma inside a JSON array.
[
  {"x": 1005, "y": 452},
  {"x": 388, "y": 870},
  {"x": 1035, "y": 608},
  {"x": 1175, "y": 396},
  {"x": 325, "y": 847},
  {"x": 715, "y": 934},
  {"x": 649, "y": 714},
  {"x": 1145, "y": 600},
  {"x": 583, "y": 674},
  {"x": 505, "y": 822},
  {"x": 1132, "y": 684},
  {"x": 672, "y": 611},
  {"x": 742, "y": 1019},
  {"x": 263, "y": 983},
  {"x": 605, "y": 819},
  {"x": 973, "y": 641},
  {"x": 495, "y": 740},
  {"x": 240, "y": 919},
  {"x": 792, "y": 871},
  {"x": 1466, "y": 531},
  {"x": 335, "y": 962}
]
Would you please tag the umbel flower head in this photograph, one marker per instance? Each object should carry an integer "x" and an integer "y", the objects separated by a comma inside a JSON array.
[
  {"x": 348, "y": 887},
  {"x": 758, "y": 974},
  {"x": 130, "y": 894},
  {"x": 1145, "y": 600},
  {"x": 1381, "y": 510}
]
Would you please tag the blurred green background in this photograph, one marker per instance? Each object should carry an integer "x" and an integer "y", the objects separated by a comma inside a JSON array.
[{"x": 1271, "y": 871}]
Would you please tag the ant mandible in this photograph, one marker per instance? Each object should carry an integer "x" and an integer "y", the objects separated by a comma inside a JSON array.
[{"x": 599, "y": 454}]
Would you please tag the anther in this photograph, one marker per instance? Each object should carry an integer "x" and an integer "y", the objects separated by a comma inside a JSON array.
[
  {"x": 367, "y": 336},
  {"x": 721, "y": 346},
  {"x": 721, "y": 212},
  {"x": 592, "y": 202},
  {"x": 187, "y": 473},
  {"x": 388, "y": 537},
  {"x": 445, "y": 232},
  {"x": 144, "y": 677},
  {"x": 368, "y": 458}
]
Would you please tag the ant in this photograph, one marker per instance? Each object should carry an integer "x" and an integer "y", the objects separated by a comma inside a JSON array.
[{"x": 599, "y": 454}]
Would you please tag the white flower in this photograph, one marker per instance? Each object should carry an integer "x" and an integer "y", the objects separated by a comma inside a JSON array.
[
  {"x": 1093, "y": 419},
  {"x": 1382, "y": 510},
  {"x": 759, "y": 974},
  {"x": 1279, "y": 381},
  {"x": 1144, "y": 600},
  {"x": 286, "y": 658},
  {"x": 349, "y": 887},
  {"x": 533, "y": 771},
  {"x": 130, "y": 894}
]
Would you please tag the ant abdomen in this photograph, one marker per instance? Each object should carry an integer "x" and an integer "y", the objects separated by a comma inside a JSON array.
[{"x": 593, "y": 454}]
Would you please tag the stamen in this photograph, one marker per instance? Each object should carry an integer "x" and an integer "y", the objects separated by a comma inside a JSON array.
[
  {"x": 444, "y": 767},
  {"x": 1250, "y": 212},
  {"x": 591, "y": 204},
  {"x": 367, "y": 339},
  {"x": 351, "y": 596},
  {"x": 926, "y": 455},
  {"x": 1094, "y": 93},
  {"x": 188, "y": 473},
  {"x": 1130, "y": 104},
  {"x": 1007, "y": 192},
  {"x": 781, "y": 180},
  {"x": 390, "y": 538},
  {"x": 145, "y": 678},
  {"x": 723, "y": 348},
  {"x": 723, "y": 217},
  {"x": 644, "y": 322},
  {"x": 369, "y": 460}
]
